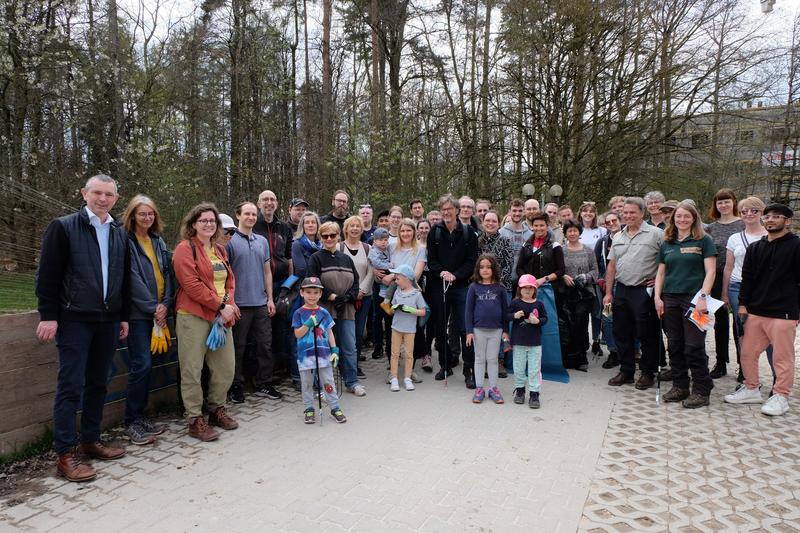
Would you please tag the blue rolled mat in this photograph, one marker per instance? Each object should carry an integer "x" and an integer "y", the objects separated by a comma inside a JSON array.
[{"x": 552, "y": 368}]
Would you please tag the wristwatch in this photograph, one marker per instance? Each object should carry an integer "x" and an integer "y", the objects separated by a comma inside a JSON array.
[
  {"x": 222, "y": 306},
  {"x": 703, "y": 295}
]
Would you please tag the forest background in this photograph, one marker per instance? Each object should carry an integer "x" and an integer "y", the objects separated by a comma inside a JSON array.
[{"x": 389, "y": 99}]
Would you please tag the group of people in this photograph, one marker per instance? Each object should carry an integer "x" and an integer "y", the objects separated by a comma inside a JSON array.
[{"x": 492, "y": 291}]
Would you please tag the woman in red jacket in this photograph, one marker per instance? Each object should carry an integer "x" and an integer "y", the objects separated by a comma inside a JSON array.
[{"x": 206, "y": 290}]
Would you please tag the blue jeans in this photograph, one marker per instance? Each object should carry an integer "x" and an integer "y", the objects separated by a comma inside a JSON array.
[
  {"x": 85, "y": 350},
  {"x": 345, "y": 333},
  {"x": 139, "y": 365},
  {"x": 607, "y": 323},
  {"x": 733, "y": 297},
  {"x": 361, "y": 321}
]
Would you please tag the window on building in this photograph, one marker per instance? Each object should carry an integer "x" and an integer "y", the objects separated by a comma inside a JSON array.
[
  {"x": 744, "y": 135},
  {"x": 699, "y": 139}
]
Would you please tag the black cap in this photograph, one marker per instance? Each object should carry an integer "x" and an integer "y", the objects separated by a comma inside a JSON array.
[
  {"x": 779, "y": 209},
  {"x": 298, "y": 201},
  {"x": 311, "y": 282}
]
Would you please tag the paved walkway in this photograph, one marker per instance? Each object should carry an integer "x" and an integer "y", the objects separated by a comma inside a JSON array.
[{"x": 593, "y": 458}]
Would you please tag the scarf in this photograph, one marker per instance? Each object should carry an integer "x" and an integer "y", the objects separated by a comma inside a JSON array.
[{"x": 310, "y": 246}]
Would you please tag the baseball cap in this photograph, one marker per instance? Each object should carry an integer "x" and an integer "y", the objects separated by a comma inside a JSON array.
[
  {"x": 669, "y": 205},
  {"x": 380, "y": 233},
  {"x": 780, "y": 209},
  {"x": 227, "y": 222},
  {"x": 298, "y": 201},
  {"x": 404, "y": 270},
  {"x": 311, "y": 282},
  {"x": 527, "y": 280}
]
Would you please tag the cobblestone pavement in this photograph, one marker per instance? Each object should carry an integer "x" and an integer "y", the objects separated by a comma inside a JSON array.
[{"x": 593, "y": 458}]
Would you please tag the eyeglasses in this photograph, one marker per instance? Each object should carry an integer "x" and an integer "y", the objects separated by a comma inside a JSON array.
[
  {"x": 772, "y": 217},
  {"x": 328, "y": 236},
  {"x": 610, "y": 222},
  {"x": 750, "y": 211},
  {"x": 229, "y": 232},
  {"x": 207, "y": 221},
  {"x": 146, "y": 215},
  {"x": 341, "y": 200}
]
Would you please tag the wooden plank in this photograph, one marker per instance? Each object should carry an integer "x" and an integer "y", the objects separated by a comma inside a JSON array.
[
  {"x": 12, "y": 441},
  {"x": 18, "y": 326},
  {"x": 22, "y": 353},
  {"x": 21, "y": 414},
  {"x": 24, "y": 384}
]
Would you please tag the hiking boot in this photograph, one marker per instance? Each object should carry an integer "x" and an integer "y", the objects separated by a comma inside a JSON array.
[
  {"x": 152, "y": 428},
  {"x": 386, "y": 307},
  {"x": 519, "y": 395},
  {"x": 98, "y": 450},
  {"x": 620, "y": 379},
  {"x": 338, "y": 415},
  {"x": 501, "y": 373},
  {"x": 496, "y": 396},
  {"x": 309, "y": 416},
  {"x": 533, "y": 401},
  {"x": 644, "y": 382},
  {"x": 236, "y": 394},
  {"x": 775, "y": 406},
  {"x": 612, "y": 361},
  {"x": 199, "y": 429},
  {"x": 479, "y": 395},
  {"x": 744, "y": 395},
  {"x": 596, "y": 348},
  {"x": 71, "y": 466},
  {"x": 427, "y": 363},
  {"x": 377, "y": 353},
  {"x": 409, "y": 383},
  {"x": 137, "y": 435},
  {"x": 469, "y": 381},
  {"x": 415, "y": 378},
  {"x": 719, "y": 370},
  {"x": 268, "y": 391},
  {"x": 695, "y": 400},
  {"x": 394, "y": 386},
  {"x": 666, "y": 375},
  {"x": 219, "y": 417},
  {"x": 440, "y": 374},
  {"x": 360, "y": 373},
  {"x": 675, "y": 394}
]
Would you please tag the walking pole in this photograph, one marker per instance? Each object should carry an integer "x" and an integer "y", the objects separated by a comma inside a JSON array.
[
  {"x": 445, "y": 286},
  {"x": 319, "y": 376},
  {"x": 660, "y": 345}
]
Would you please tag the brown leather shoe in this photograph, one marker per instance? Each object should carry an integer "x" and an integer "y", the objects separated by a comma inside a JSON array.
[
  {"x": 199, "y": 429},
  {"x": 221, "y": 419},
  {"x": 676, "y": 394},
  {"x": 98, "y": 450},
  {"x": 620, "y": 379},
  {"x": 644, "y": 382},
  {"x": 73, "y": 468}
]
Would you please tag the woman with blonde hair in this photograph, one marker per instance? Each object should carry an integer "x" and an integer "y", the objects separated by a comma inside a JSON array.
[
  {"x": 687, "y": 266},
  {"x": 206, "y": 291},
  {"x": 359, "y": 254},
  {"x": 339, "y": 279},
  {"x": 152, "y": 300}
]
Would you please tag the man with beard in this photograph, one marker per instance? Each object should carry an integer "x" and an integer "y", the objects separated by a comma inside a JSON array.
[
  {"x": 516, "y": 231},
  {"x": 340, "y": 204},
  {"x": 769, "y": 299}
]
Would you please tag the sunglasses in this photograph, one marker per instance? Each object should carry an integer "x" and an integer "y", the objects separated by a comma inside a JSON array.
[
  {"x": 328, "y": 236},
  {"x": 750, "y": 211},
  {"x": 229, "y": 232}
]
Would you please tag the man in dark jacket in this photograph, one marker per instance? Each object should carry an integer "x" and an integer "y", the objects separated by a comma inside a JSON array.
[
  {"x": 340, "y": 205},
  {"x": 452, "y": 252},
  {"x": 84, "y": 294},
  {"x": 770, "y": 301},
  {"x": 279, "y": 237}
]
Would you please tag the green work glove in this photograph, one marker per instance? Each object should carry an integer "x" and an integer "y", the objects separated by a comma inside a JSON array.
[
  {"x": 408, "y": 309},
  {"x": 311, "y": 322},
  {"x": 334, "y": 356}
]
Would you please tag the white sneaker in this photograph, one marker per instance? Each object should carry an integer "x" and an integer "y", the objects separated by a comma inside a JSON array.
[
  {"x": 744, "y": 395},
  {"x": 358, "y": 390},
  {"x": 415, "y": 378},
  {"x": 393, "y": 385},
  {"x": 775, "y": 406},
  {"x": 409, "y": 384}
]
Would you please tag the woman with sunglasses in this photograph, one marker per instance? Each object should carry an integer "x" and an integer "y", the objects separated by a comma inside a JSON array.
[
  {"x": 206, "y": 291},
  {"x": 601, "y": 251},
  {"x": 591, "y": 233},
  {"x": 725, "y": 214},
  {"x": 152, "y": 299},
  {"x": 339, "y": 279},
  {"x": 750, "y": 209},
  {"x": 306, "y": 242}
]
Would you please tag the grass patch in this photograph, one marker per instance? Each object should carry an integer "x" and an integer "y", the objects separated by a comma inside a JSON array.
[
  {"x": 17, "y": 292},
  {"x": 42, "y": 444}
]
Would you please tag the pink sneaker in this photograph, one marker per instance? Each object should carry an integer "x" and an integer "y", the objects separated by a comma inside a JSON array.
[
  {"x": 494, "y": 394},
  {"x": 479, "y": 395}
]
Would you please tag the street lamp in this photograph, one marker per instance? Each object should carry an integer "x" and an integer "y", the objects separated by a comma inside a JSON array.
[
  {"x": 555, "y": 192},
  {"x": 528, "y": 190}
]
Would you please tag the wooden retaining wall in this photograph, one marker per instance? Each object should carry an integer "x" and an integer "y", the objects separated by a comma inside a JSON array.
[{"x": 28, "y": 371}]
